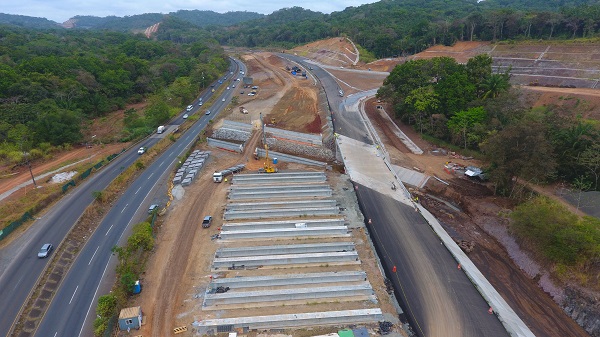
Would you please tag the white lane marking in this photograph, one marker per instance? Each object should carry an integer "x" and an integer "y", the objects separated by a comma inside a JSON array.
[
  {"x": 56, "y": 333},
  {"x": 93, "y": 255},
  {"x": 73, "y": 294},
  {"x": 136, "y": 192},
  {"x": 108, "y": 230},
  {"x": 161, "y": 164},
  {"x": 123, "y": 210},
  {"x": 150, "y": 176}
]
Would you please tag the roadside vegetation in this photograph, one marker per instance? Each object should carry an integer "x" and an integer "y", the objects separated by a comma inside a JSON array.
[
  {"x": 53, "y": 82},
  {"x": 570, "y": 243}
]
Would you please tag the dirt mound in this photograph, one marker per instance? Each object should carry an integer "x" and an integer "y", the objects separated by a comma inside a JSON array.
[{"x": 334, "y": 52}]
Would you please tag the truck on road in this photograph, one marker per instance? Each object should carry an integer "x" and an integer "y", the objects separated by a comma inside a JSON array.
[
  {"x": 218, "y": 176},
  {"x": 160, "y": 129}
]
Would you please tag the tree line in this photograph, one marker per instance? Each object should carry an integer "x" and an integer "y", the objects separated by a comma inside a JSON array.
[
  {"x": 471, "y": 107},
  {"x": 392, "y": 27},
  {"x": 54, "y": 82}
]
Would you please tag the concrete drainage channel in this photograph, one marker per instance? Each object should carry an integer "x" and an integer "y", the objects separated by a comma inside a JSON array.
[{"x": 265, "y": 263}]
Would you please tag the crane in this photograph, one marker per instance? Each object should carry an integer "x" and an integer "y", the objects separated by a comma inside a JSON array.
[{"x": 268, "y": 168}]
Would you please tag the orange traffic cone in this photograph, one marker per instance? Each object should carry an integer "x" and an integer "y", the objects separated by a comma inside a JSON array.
[
  {"x": 394, "y": 269},
  {"x": 490, "y": 311},
  {"x": 459, "y": 266}
]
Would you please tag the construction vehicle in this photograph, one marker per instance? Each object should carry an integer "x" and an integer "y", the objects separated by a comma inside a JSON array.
[
  {"x": 243, "y": 110},
  {"x": 268, "y": 167}
]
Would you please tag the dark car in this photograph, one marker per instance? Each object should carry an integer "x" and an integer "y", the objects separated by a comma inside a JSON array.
[
  {"x": 45, "y": 250},
  {"x": 207, "y": 221}
]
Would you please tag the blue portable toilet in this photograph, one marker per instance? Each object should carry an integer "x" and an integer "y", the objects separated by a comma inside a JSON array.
[
  {"x": 137, "y": 287},
  {"x": 274, "y": 160},
  {"x": 294, "y": 73}
]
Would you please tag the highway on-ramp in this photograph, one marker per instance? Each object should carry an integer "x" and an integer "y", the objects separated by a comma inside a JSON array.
[{"x": 17, "y": 280}]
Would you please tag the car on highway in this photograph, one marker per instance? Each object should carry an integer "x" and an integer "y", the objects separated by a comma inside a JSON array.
[
  {"x": 227, "y": 88},
  {"x": 207, "y": 112},
  {"x": 142, "y": 150},
  {"x": 185, "y": 116},
  {"x": 153, "y": 207},
  {"x": 189, "y": 108},
  {"x": 45, "y": 250},
  {"x": 233, "y": 86},
  {"x": 220, "y": 82},
  {"x": 200, "y": 104},
  {"x": 223, "y": 99},
  {"x": 206, "y": 221}
]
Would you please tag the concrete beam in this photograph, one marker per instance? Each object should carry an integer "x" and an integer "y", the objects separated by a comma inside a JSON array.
[
  {"x": 280, "y": 213},
  {"x": 289, "y": 259},
  {"x": 295, "y": 223},
  {"x": 286, "y": 249},
  {"x": 277, "y": 179},
  {"x": 280, "y": 204},
  {"x": 287, "y": 279},
  {"x": 322, "y": 294},
  {"x": 282, "y": 194},
  {"x": 309, "y": 319},
  {"x": 288, "y": 187},
  {"x": 337, "y": 231}
]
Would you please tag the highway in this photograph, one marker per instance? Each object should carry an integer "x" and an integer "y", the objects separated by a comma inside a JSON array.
[
  {"x": 76, "y": 296},
  {"x": 437, "y": 297}
]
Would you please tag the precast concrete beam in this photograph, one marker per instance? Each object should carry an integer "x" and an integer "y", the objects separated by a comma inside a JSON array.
[
  {"x": 280, "y": 204},
  {"x": 338, "y": 231},
  {"x": 288, "y": 187},
  {"x": 289, "y": 294},
  {"x": 287, "y": 279},
  {"x": 298, "y": 223},
  {"x": 276, "y": 180},
  {"x": 279, "y": 213},
  {"x": 282, "y": 194},
  {"x": 309, "y": 319},
  {"x": 286, "y": 249},
  {"x": 283, "y": 174},
  {"x": 274, "y": 260}
]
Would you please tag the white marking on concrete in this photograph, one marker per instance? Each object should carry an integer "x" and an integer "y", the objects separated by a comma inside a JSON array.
[
  {"x": 123, "y": 210},
  {"x": 136, "y": 192},
  {"x": 108, "y": 230}
]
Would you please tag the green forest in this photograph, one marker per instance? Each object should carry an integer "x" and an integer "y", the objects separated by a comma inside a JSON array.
[
  {"x": 393, "y": 27},
  {"x": 53, "y": 82},
  {"x": 473, "y": 108}
]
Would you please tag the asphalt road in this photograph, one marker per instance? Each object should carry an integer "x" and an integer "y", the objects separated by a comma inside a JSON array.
[
  {"x": 439, "y": 299},
  {"x": 437, "y": 296},
  {"x": 21, "y": 275}
]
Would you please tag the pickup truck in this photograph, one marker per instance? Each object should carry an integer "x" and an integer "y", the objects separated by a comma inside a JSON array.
[{"x": 207, "y": 221}]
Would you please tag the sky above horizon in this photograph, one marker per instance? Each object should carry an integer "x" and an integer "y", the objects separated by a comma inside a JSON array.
[{"x": 62, "y": 10}]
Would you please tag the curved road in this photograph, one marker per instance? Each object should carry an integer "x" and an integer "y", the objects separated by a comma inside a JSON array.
[
  {"x": 22, "y": 273},
  {"x": 438, "y": 298}
]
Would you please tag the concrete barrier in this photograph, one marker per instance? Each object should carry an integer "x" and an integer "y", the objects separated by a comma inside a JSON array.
[
  {"x": 287, "y": 279},
  {"x": 282, "y": 224},
  {"x": 337, "y": 231},
  {"x": 225, "y": 145},
  {"x": 309, "y": 319},
  {"x": 288, "y": 259},
  {"x": 280, "y": 213},
  {"x": 361, "y": 291},
  {"x": 286, "y": 249}
]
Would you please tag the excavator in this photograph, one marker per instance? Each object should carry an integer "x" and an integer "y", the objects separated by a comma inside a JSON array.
[{"x": 268, "y": 167}]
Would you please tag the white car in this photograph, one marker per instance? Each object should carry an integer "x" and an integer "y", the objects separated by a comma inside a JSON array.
[
  {"x": 207, "y": 112},
  {"x": 223, "y": 100},
  {"x": 200, "y": 104},
  {"x": 142, "y": 150},
  {"x": 227, "y": 88},
  {"x": 45, "y": 250},
  {"x": 189, "y": 107},
  {"x": 251, "y": 94},
  {"x": 185, "y": 116}
]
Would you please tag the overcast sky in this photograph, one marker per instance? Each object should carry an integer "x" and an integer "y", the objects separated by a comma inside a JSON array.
[{"x": 62, "y": 10}]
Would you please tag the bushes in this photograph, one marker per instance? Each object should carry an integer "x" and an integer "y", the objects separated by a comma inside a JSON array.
[{"x": 555, "y": 232}]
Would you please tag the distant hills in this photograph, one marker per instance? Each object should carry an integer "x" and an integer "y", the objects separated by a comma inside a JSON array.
[{"x": 135, "y": 22}]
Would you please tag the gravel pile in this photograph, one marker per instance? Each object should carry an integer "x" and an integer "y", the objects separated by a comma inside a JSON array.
[
  {"x": 302, "y": 150},
  {"x": 231, "y": 134}
]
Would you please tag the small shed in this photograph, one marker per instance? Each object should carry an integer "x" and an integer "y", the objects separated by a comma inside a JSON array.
[{"x": 130, "y": 318}]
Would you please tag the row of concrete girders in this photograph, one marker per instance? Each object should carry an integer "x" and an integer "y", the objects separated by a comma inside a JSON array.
[
  {"x": 286, "y": 249},
  {"x": 278, "y": 205},
  {"x": 283, "y": 177},
  {"x": 361, "y": 291},
  {"x": 310, "y": 319},
  {"x": 189, "y": 170},
  {"x": 282, "y": 194},
  {"x": 280, "y": 213},
  {"x": 237, "y": 125},
  {"x": 334, "y": 231},
  {"x": 285, "y": 186},
  {"x": 287, "y": 279},
  {"x": 298, "y": 136},
  {"x": 297, "y": 223},
  {"x": 243, "y": 262}
]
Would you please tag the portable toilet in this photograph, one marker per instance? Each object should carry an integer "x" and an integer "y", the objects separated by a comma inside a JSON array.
[
  {"x": 274, "y": 160},
  {"x": 137, "y": 287},
  {"x": 130, "y": 318}
]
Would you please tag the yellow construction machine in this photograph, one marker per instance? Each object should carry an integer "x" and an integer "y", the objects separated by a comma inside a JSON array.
[{"x": 268, "y": 167}]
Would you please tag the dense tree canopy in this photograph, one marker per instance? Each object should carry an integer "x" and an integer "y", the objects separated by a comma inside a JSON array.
[{"x": 51, "y": 81}]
